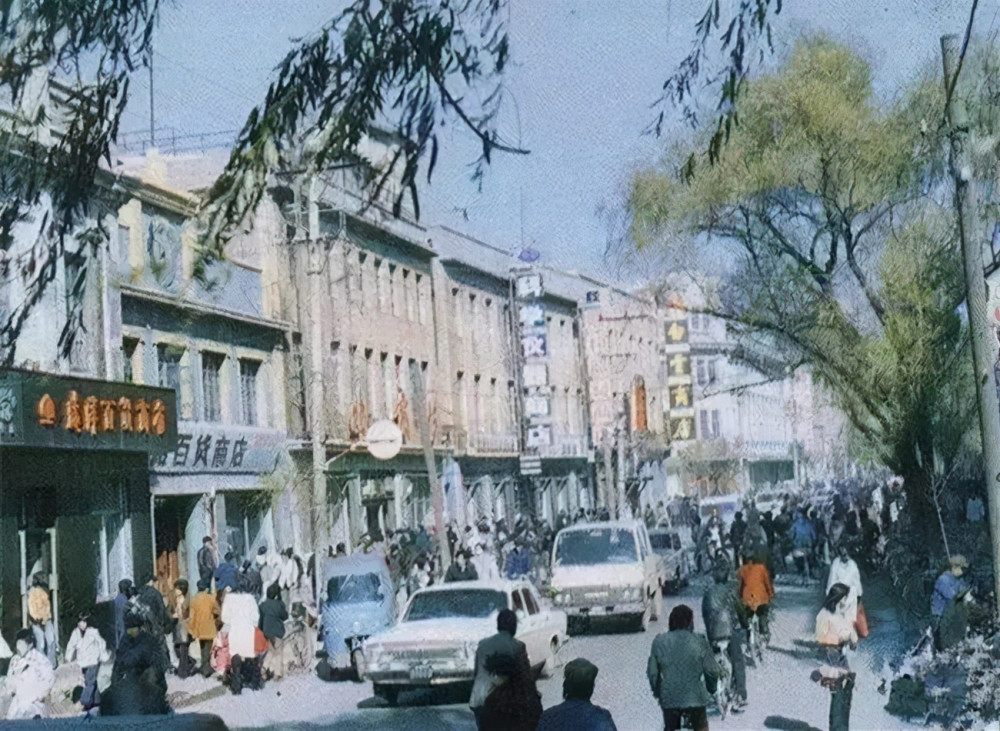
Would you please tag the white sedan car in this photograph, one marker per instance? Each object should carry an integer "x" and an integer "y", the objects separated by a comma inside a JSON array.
[{"x": 435, "y": 640}]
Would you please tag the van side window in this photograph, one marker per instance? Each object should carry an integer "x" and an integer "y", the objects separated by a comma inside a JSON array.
[
  {"x": 643, "y": 542},
  {"x": 518, "y": 601},
  {"x": 529, "y": 601}
]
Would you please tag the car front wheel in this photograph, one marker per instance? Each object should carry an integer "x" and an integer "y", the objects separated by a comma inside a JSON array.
[{"x": 389, "y": 693}]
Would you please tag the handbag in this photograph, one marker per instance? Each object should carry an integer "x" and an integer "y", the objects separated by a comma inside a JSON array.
[
  {"x": 259, "y": 641},
  {"x": 861, "y": 621}
]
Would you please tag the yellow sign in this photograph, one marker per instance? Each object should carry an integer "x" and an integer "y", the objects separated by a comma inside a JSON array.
[
  {"x": 97, "y": 416},
  {"x": 677, "y": 332},
  {"x": 680, "y": 396},
  {"x": 680, "y": 365}
]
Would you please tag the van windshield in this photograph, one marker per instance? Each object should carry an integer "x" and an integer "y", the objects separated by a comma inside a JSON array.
[
  {"x": 353, "y": 589},
  {"x": 592, "y": 547}
]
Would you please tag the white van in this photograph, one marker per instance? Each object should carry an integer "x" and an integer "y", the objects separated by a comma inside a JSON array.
[{"x": 607, "y": 569}]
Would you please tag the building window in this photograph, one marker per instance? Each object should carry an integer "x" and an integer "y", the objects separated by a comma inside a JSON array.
[
  {"x": 129, "y": 348},
  {"x": 211, "y": 368},
  {"x": 708, "y": 423},
  {"x": 705, "y": 371},
  {"x": 248, "y": 391},
  {"x": 169, "y": 367}
]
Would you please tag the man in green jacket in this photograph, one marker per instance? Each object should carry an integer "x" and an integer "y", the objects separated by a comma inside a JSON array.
[{"x": 682, "y": 672}]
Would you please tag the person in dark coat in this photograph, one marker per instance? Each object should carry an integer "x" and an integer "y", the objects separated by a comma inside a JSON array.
[
  {"x": 150, "y": 602},
  {"x": 254, "y": 580},
  {"x": 225, "y": 578},
  {"x": 682, "y": 672},
  {"x": 125, "y": 594},
  {"x": 485, "y": 680},
  {"x": 461, "y": 569},
  {"x": 576, "y": 712},
  {"x": 273, "y": 615},
  {"x": 736, "y": 532},
  {"x": 515, "y": 704},
  {"x": 206, "y": 559},
  {"x": 719, "y": 611},
  {"x": 138, "y": 677}
]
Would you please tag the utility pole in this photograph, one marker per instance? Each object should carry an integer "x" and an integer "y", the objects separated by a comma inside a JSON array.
[
  {"x": 983, "y": 355},
  {"x": 437, "y": 496},
  {"x": 315, "y": 265}
]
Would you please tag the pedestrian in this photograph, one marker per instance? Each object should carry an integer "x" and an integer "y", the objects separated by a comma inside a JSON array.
[
  {"x": 576, "y": 712},
  {"x": 40, "y": 616},
  {"x": 30, "y": 677},
  {"x": 756, "y": 591},
  {"x": 502, "y": 643},
  {"x": 254, "y": 582},
  {"x": 949, "y": 585},
  {"x": 949, "y": 604},
  {"x": 180, "y": 613},
  {"x": 88, "y": 649},
  {"x": 485, "y": 563},
  {"x": 121, "y": 605},
  {"x": 272, "y": 623},
  {"x": 138, "y": 677},
  {"x": 835, "y": 630},
  {"x": 149, "y": 601},
  {"x": 207, "y": 561},
  {"x": 240, "y": 619},
  {"x": 682, "y": 672},
  {"x": 803, "y": 539},
  {"x": 203, "y": 623},
  {"x": 461, "y": 569},
  {"x": 720, "y": 611},
  {"x": 269, "y": 565},
  {"x": 515, "y": 704},
  {"x": 225, "y": 577},
  {"x": 844, "y": 570},
  {"x": 737, "y": 531}
]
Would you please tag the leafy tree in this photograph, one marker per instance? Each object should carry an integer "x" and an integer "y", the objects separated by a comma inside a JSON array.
[
  {"x": 92, "y": 47},
  {"x": 837, "y": 256},
  {"x": 410, "y": 64}
]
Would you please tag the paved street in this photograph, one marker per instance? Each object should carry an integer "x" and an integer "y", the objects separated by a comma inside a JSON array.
[{"x": 780, "y": 691}]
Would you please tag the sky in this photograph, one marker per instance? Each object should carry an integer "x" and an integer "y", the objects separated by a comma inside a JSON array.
[{"x": 580, "y": 89}]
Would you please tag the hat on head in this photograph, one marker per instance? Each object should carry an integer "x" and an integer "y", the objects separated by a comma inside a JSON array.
[
  {"x": 958, "y": 561},
  {"x": 262, "y": 550}
]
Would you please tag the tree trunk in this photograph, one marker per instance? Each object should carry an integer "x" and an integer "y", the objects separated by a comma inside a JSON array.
[{"x": 920, "y": 509}]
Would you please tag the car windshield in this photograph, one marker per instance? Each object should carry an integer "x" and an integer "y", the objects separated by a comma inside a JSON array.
[
  {"x": 661, "y": 541},
  {"x": 455, "y": 603},
  {"x": 353, "y": 589},
  {"x": 597, "y": 546}
]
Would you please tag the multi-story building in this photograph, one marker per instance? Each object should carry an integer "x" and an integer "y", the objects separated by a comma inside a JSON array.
[
  {"x": 76, "y": 439},
  {"x": 218, "y": 342}
]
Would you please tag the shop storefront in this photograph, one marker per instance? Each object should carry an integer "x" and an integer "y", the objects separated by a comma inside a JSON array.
[
  {"x": 215, "y": 483},
  {"x": 74, "y": 489}
]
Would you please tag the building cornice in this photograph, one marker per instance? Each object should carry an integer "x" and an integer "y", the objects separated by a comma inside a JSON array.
[{"x": 201, "y": 308}]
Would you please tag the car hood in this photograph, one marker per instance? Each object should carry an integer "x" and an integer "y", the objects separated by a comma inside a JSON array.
[
  {"x": 448, "y": 631},
  {"x": 339, "y": 619},
  {"x": 568, "y": 577}
]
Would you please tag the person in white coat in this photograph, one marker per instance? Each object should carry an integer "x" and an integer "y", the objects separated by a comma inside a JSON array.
[
  {"x": 288, "y": 576},
  {"x": 240, "y": 617},
  {"x": 89, "y": 650},
  {"x": 269, "y": 566},
  {"x": 30, "y": 678},
  {"x": 485, "y": 563},
  {"x": 844, "y": 570}
]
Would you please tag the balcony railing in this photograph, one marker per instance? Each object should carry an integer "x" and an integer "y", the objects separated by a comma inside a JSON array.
[
  {"x": 565, "y": 446},
  {"x": 493, "y": 444}
]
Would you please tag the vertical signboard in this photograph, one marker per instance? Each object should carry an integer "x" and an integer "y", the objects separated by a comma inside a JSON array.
[
  {"x": 534, "y": 364},
  {"x": 677, "y": 351}
]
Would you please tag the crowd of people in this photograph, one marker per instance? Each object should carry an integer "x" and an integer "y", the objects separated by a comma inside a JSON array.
[{"x": 247, "y": 620}]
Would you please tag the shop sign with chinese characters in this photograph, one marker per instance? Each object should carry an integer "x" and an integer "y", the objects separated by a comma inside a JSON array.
[
  {"x": 203, "y": 447},
  {"x": 43, "y": 410}
]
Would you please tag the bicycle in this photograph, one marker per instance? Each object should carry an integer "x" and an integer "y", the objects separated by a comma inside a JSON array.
[
  {"x": 724, "y": 696},
  {"x": 756, "y": 640}
]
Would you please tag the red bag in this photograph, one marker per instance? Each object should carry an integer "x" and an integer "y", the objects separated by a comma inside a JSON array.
[
  {"x": 220, "y": 653},
  {"x": 259, "y": 641},
  {"x": 861, "y": 621}
]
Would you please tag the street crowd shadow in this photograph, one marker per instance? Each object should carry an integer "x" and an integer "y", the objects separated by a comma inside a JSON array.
[
  {"x": 788, "y": 724},
  {"x": 416, "y": 697}
]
